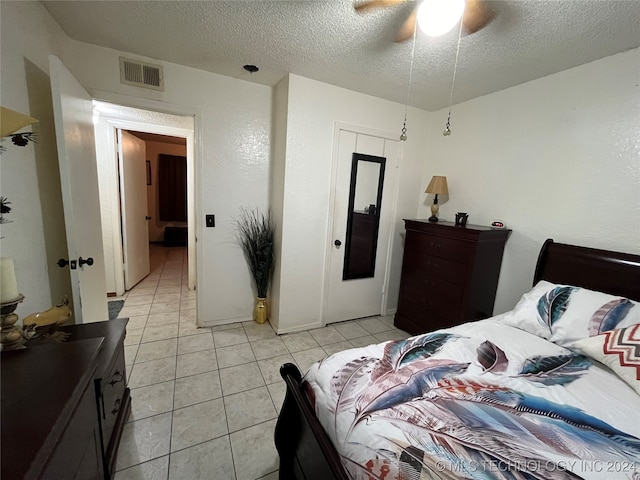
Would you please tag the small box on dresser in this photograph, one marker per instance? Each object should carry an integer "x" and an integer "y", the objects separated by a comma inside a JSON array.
[{"x": 449, "y": 274}]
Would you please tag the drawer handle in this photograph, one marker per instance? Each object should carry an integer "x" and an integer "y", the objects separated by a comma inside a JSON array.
[
  {"x": 117, "y": 380},
  {"x": 116, "y": 408},
  {"x": 104, "y": 416}
]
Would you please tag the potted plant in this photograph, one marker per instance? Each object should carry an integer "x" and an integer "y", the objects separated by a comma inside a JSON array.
[{"x": 255, "y": 234}]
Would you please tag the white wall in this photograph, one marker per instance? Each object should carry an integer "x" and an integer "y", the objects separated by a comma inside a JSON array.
[
  {"x": 557, "y": 158},
  {"x": 232, "y": 126},
  {"x": 277, "y": 189},
  {"x": 313, "y": 110},
  {"x": 29, "y": 175},
  {"x": 233, "y": 122}
]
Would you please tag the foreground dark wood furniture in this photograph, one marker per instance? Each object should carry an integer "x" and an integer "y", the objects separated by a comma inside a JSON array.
[
  {"x": 49, "y": 425},
  {"x": 113, "y": 400},
  {"x": 449, "y": 274},
  {"x": 64, "y": 405},
  {"x": 305, "y": 449}
]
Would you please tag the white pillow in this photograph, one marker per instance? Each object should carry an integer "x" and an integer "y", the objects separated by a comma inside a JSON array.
[
  {"x": 618, "y": 349},
  {"x": 564, "y": 313}
]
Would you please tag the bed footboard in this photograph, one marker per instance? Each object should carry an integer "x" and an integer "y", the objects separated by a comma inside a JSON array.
[{"x": 305, "y": 450}]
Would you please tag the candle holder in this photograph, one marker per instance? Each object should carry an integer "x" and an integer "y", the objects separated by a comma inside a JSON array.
[{"x": 10, "y": 333}]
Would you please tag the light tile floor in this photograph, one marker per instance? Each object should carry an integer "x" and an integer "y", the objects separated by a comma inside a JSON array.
[{"x": 205, "y": 400}]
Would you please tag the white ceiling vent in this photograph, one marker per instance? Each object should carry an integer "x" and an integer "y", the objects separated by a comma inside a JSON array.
[{"x": 141, "y": 74}]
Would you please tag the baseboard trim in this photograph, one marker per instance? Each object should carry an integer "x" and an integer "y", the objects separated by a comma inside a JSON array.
[
  {"x": 220, "y": 322},
  {"x": 299, "y": 328}
]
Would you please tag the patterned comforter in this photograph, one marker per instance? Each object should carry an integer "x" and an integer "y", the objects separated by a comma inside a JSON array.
[{"x": 482, "y": 400}]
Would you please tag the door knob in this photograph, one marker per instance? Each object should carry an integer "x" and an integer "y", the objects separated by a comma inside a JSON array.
[
  {"x": 63, "y": 262},
  {"x": 337, "y": 243},
  {"x": 82, "y": 261},
  {"x": 147, "y": 217}
]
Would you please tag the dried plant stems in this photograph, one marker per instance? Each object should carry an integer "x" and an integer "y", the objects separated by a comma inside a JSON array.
[{"x": 255, "y": 234}]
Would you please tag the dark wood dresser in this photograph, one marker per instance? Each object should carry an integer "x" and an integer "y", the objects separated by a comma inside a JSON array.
[
  {"x": 64, "y": 405},
  {"x": 112, "y": 394},
  {"x": 49, "y": 424},
  {"x": 449, "y": 274}
]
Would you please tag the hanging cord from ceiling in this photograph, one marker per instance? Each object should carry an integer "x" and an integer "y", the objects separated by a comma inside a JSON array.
[
  {"x": 403, "y": 135},
  {"x": 447, "y": 127}
]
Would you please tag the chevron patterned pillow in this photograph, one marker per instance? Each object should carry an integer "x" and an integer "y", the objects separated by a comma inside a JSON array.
[{"x": 618, "y": 349}]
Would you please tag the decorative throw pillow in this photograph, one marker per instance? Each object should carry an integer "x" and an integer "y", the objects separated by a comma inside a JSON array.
[
  {"x": 564, "y": 313},
  {"x": 619, "y": 349}
]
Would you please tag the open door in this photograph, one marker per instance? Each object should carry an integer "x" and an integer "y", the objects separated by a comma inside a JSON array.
[
  {"x": 73, "y": 115},
  {"x": 133, "y": 205}
]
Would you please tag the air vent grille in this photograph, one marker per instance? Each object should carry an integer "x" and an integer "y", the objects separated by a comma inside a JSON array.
[{"x": 140, "y": 74}]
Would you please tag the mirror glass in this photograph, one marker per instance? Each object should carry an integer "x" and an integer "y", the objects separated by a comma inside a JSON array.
[{"x": 363, "y": 216}]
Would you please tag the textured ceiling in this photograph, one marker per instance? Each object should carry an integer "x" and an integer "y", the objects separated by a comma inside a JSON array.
[{"x": 328, "y": 41}]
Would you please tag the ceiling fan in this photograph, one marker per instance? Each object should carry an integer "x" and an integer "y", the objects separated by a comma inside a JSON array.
[{"x": 477, "y": 15}]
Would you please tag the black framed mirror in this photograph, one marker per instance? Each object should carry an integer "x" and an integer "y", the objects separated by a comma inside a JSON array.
[{"x": 363, "y": 216}]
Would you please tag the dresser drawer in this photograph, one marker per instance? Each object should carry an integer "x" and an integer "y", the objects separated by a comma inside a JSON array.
[
  {"x": 431, "y": 315},
  {"x": 434, "y": 290},
  {"x": 112, "y": 390},
  {"x": 458, "y": 251},
  {"x": 429, "y": 267}
]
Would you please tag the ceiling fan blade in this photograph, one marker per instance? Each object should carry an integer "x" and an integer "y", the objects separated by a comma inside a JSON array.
[
  {"x": 367, "y": 5},
  {"x": 477, "y": 15},
  {"x": 408, "y": 28}
]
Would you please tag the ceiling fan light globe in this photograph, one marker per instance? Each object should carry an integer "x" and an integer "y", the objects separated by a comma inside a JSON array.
[{"x": 437, "y": 17}]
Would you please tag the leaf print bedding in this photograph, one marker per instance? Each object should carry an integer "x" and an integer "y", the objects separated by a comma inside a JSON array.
[{"x": 482, "y": 400}]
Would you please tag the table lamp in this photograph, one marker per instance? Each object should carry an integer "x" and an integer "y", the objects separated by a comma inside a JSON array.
[{"x": 437, "y": 186}]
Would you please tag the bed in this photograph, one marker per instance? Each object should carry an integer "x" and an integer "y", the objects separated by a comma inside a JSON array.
[{"x": 550, "y": 389}]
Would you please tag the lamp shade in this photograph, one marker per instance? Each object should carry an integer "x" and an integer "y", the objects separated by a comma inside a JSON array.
[
  {"x": 12, "y": 121},
  {"x": 438, "y": 186}
]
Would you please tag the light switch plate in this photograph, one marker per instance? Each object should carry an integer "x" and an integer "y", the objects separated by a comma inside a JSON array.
[{"x": 210, "y": 220}]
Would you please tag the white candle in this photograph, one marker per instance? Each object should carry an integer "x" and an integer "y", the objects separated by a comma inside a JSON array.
[{"x": 8, "y": 283}]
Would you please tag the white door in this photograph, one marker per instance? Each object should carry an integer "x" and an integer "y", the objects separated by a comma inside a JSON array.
[
  {"x": 359, "y": 297},
  {"x": 133, "y": 204},
  {"x": 73, "y": 115}
]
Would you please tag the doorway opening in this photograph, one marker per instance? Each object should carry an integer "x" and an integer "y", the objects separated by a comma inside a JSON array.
[{"x": 130, "y": 144}]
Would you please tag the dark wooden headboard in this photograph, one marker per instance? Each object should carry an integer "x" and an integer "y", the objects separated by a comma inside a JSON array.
[{"x": 610, "y": 272}]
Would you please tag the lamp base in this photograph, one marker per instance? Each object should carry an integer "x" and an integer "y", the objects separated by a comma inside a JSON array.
[
  {"x": 10, "y": 333},
  {"x": 433, "y": 218}
]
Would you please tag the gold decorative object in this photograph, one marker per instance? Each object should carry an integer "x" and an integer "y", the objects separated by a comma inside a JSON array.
[
  {"x": 256, "y": 236},
  {"x": 10, "y": 334},
  {"x": 53, "y": 316},
  {"x": 260, "y": 311},
  {"x": 41, "y": 328}
]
